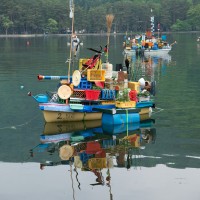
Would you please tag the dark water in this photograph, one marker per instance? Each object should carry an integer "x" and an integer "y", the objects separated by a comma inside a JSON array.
[{"x": 165, "y": 169}]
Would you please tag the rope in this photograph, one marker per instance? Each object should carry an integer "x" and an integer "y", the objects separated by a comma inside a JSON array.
[
  {"x": 72, "y": 180},
  {"x": 127, "y": 122},
  {"x": 84, "y": 114},
  {"x": 18, "y": 125},
  {"x": 75, "y": 169},
  {"x": 159, "y": 110}
]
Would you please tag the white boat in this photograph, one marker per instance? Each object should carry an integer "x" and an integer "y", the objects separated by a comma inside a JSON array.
[
  {"x": 158, "y": 51},
  {"x": 150, "y": 51}
]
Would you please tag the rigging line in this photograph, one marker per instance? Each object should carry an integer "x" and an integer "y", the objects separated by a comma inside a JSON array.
[
  {"x": 156, "y": 112},
  {"x": 72, "y": 180},
  {"x": 19, "y": 125},
  {"x": 79, "y": 185},
  {"x": 159, "y": 110},
  {"x": 184, "y": 108}
]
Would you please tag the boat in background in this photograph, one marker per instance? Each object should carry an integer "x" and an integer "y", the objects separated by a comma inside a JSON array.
[{"x": 148, "y": 43}]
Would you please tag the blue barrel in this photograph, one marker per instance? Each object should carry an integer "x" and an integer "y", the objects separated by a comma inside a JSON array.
[
  {"x": 109, "y": 119},
  {"x": 164, "y": 37}
]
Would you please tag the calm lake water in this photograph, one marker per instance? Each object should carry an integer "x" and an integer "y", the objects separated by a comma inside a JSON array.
[{"x": 167, "y": 168}]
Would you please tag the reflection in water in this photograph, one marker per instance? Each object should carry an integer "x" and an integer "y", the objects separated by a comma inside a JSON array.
[
  {"x": 92, "y": 149},
  {"x": 148, "y": 67}
]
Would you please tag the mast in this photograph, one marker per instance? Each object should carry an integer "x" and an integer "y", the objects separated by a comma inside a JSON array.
[{"x": 71, "y": 15}]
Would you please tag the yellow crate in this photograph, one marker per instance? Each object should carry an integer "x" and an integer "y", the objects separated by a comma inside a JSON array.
[
  {"x": 95, "y": 75},
  {"x": 134, "y": 86},
  {"x": 125, "y": 104}
]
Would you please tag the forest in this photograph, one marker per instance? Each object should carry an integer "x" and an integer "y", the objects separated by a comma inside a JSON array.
[{"x": 52, "y": 16}]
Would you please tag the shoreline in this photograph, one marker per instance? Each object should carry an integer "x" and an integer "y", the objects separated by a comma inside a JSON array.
[{"x": 79, "y": 34}]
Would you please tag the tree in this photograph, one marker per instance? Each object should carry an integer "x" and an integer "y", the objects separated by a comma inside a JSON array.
[
  {"x": 6, "y": 23},
  {"x": 181, "y": 26},
  {"x": 52, "y": 26},
  {"x": 194, "y": 16}
]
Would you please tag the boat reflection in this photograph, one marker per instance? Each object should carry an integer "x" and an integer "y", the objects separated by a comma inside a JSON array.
[
  {"x": 63, "y": 127},
  {"x": 148, "y": 67},
  {"x": 93, "y": 147}
]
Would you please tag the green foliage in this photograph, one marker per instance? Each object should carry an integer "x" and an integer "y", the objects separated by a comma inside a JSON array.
[
  {"x": 181, "y": 26},
  {"x": 6, "y": 23},
  {"x": 130, "y": 15},
  {"x": 52, "y": 26},
  {"x": 123, "y": 96},
  {"x": 194, "y": 16},
  {"x": 144, "y": 94}
]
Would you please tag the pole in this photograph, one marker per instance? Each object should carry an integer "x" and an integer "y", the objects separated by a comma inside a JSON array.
[
  {"x": 42, "y": 77},
  {"x": 70, "y": 55}
]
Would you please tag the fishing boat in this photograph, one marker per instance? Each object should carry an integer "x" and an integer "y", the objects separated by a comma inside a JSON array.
[
  {"x": 79, "y": 108},
  {"x": 93, "y": 89},
  {"x": 147, "y": 43},
  {"x": 198, "y": 39}
]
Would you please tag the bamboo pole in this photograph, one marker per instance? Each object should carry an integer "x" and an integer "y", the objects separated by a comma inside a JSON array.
[
  {"x": 70, "y": 54},
  {"x": 109, "y": 20}
]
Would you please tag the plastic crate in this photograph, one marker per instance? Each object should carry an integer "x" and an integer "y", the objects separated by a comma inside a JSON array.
[
  {"x": 96, "y": 75},
  {"x": 79, "y": 94},
  {"x": 107, "y": 94},
  {"x": 92, "y": 94},
  {"x": 127, "y": 104},
  {"x": 84, "y": 84},
  {"x": 134, "y": 86}
]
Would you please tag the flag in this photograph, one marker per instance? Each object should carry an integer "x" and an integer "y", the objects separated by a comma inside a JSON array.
[
  {"x": 71, "y": 9},
  {"x": 106, "y": 49}
]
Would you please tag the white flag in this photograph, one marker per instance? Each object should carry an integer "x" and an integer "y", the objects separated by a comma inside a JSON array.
[{"x": 71, "y": 8}]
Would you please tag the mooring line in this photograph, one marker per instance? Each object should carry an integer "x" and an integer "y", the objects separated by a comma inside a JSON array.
[{"x": 19, "y": 125}]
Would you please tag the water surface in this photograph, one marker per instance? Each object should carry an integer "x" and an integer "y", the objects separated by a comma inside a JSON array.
[{"x": 165, "y": 169}]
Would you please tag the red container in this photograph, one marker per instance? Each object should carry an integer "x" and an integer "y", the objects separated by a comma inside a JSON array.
[
  {"x": 93, "y": 147},
  {"x": 92, "y": 94},
  {"x": 133, "y": 95}
]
